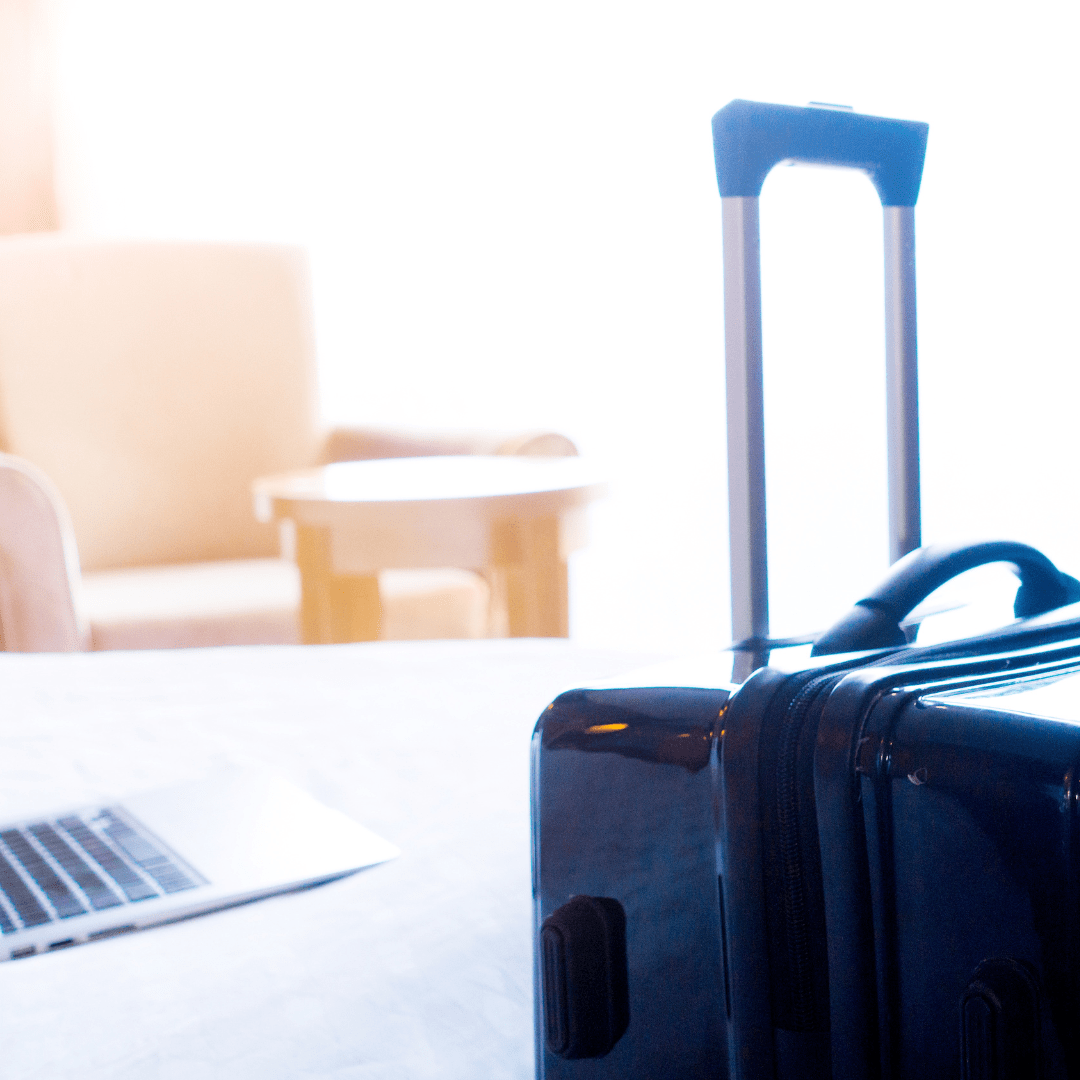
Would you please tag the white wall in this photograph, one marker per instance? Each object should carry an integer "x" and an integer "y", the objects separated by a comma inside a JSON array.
[{"x": 513, "y": 221}]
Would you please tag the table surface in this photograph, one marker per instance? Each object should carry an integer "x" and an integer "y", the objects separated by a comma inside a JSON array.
[
  {"x": 418, "y": 968},
  {"x": 433, "y": 479}
]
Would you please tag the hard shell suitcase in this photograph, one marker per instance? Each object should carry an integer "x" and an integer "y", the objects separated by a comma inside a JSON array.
[{"x": 863, "y": 864}]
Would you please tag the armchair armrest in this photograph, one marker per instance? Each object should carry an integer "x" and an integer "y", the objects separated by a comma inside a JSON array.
[
  {"x": 363, "y": 444},
  {"x": 39, "y": 564}
]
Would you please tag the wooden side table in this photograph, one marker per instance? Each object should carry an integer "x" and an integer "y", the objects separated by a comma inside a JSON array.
[{"x": 513, "y": 519}]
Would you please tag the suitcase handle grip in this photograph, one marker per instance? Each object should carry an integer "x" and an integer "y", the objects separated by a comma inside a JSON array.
[
  {"x": 874, "y": 622},
  {"x": 751, "y": 137}
]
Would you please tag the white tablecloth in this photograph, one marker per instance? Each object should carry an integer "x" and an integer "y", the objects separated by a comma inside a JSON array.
[{"x": 417, "y": 968}]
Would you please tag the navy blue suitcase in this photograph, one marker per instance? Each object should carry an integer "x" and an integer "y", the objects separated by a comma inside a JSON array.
[
  {"x": 865, "y": 863},
  {"x": 863, "y": 866}
]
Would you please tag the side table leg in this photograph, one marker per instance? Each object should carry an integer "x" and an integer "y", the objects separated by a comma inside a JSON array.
[
  {"x": 334, "y": 608},
  {"x": 533, "y": 576}
]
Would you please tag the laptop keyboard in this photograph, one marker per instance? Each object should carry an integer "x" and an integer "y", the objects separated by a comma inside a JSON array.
[{"x": 51, "y": 870}]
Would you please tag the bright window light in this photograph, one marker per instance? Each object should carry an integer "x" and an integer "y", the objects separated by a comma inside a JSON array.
[{"x": 513, "y": 222}]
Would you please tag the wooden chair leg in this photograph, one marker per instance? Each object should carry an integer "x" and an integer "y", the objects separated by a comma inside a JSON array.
[
  {"x": 334, "y": 608},
  {"x": 533, "y": 577}
]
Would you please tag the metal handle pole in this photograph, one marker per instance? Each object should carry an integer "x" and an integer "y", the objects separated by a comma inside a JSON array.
[
  {"x": 901, "y": 382},
  {"x": 745, "y": 429}
]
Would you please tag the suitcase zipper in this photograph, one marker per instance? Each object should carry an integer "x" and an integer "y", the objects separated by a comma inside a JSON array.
[{"x": 805, "y": 1009}]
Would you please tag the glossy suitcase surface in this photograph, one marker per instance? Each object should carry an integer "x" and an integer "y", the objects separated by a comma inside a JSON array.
[
  {"x": 810, "y": 892},
  {"x": 968, "y": 799},
  {"x": 623, "y": 808},
  {"x": 859, "y": 864},
  {"x": 812, "y": 866}
]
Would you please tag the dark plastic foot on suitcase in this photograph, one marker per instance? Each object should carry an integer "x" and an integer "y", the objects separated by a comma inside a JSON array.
[
  {"x": 586, "y": 1000},
  {"x": 1001, "y": 1023}
]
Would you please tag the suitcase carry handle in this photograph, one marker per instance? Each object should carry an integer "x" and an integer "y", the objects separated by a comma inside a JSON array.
[
  {"x": 749, "y": 139},
  {"x": 874, "y": 621}
]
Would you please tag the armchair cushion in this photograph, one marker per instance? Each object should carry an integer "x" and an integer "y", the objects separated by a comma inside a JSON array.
[
  {"x": 234, "y": 602},
  {"x": 255, "y": 602}
]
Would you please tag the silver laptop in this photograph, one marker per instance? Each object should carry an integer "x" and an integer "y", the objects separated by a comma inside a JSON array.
[{"x": 92, "y": 873}]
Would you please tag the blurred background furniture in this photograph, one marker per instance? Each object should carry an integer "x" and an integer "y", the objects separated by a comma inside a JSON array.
[
  {"x": 512, "y": 519},
  {"x": 152, "y": 383}
]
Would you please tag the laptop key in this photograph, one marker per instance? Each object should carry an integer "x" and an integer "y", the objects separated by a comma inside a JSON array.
[
  {"x": 56, "y": 892},
  {"x": 22, "y": 899},
  {"x": 6, "y": 925},
  {"x": 158, "y": 865},
  {"x": 99, "y": 894},
  {"x": 133, "y": 886}
]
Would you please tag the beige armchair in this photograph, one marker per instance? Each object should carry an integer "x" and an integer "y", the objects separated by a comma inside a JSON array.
[{"x": 147, "y": 385}]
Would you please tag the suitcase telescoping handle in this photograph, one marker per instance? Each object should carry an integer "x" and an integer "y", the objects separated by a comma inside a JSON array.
[
  {"x": 874, "y": 621},
  {"x": 749, "y": 139}
]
